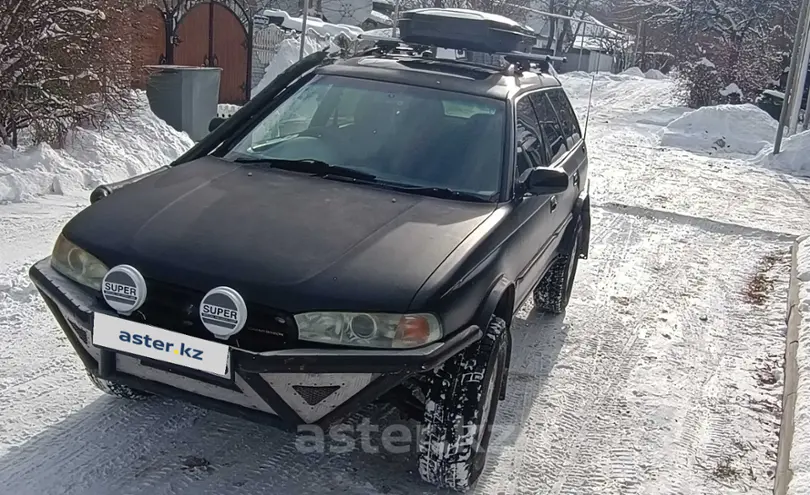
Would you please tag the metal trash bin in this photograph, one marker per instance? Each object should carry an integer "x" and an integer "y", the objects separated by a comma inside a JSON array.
[{"x": 185, "y": 97}]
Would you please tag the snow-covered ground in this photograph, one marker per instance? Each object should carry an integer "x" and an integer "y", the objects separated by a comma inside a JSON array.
[{"x": 663, "y": 377}]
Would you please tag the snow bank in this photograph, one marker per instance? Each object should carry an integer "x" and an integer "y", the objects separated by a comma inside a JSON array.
[
  {"x": 800, "y": 450},
  {"x": 733, "y": 129},
  {"x": 654, "y": 74},
  {"x": 319, "y": 35},
  {"x": 794, "y": 158},
  {"x": 136, "y": 144},
  {"x": 633, "y": 71},
  {"x": 288, "y": 54}
]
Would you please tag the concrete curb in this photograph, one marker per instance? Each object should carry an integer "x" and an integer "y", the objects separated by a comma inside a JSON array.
[{"x": 793, "y": 319}]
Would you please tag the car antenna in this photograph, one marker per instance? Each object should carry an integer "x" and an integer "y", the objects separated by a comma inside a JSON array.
[{"x": 588, "y": 113}]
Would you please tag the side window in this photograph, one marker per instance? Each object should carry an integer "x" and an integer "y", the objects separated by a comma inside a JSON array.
[
  {"x": 568, "y": 118},
  {"x": 549, "y": 126},
  {"x": 531, "y": 150}
]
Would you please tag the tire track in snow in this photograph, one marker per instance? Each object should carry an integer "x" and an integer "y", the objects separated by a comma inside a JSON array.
[
  {"x": 623, "y": 351},
  {"x": 554, "y": 418}
]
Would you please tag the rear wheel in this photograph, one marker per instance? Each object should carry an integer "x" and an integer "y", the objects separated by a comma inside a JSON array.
[
  {"x": 116, "y": 389},
  {"x": 554, "y": 290},
  {"x": 460, "y": 409}
]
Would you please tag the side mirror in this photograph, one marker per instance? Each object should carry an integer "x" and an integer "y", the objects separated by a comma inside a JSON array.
[
  {"x": 215, "y": 122},
  {"x": 543, "y": 181}
]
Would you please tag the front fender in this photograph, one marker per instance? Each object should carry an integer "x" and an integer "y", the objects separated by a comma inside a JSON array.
[{"x": 487, "y": 308}]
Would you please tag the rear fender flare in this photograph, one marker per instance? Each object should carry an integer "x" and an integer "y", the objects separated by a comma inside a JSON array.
[{"x": 582, "y": 221}]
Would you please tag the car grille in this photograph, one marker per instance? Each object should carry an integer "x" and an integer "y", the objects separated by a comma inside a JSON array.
[{"x": 177, "y": 309}]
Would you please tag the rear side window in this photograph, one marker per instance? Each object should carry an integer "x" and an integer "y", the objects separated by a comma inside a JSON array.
[
  {"x": 568, "y": 118},
  {"x": 549, "y": 126}
]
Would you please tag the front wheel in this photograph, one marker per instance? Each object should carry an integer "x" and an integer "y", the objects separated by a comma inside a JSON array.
[
  {"x": 116, "y": 389},
  {"x": 460, "y": 408}
]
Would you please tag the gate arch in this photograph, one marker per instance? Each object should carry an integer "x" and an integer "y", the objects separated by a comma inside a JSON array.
[{"x": 211, "y": 33}]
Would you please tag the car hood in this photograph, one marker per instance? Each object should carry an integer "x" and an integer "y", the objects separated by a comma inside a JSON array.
[{"x": 285, "y": 240}]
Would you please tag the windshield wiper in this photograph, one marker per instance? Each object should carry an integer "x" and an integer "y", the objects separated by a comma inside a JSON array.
[
  {"x": 310, "y": 166},
  {"x": 441, "y": 192}
]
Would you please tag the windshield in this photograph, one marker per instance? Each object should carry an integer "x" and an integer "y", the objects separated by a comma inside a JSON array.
[{"x": 398, "y": 134}]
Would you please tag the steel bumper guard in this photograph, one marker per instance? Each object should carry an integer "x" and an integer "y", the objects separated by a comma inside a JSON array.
[{"x": 286, "y": 388}]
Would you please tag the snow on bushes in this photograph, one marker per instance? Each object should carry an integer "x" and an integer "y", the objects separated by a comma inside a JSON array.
[
  {"x": 732, "y": 129},
  {"x": 63, "y": 63},
  {"x": 131, "y": 145}
]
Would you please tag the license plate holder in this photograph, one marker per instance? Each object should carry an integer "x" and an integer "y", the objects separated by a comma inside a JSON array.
[{"x": 159, "y": 344}]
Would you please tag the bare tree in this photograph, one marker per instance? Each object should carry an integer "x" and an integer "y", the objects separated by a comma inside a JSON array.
[
  {"x": 742, "y": 39},
  {"x": 63, "y": 63}
]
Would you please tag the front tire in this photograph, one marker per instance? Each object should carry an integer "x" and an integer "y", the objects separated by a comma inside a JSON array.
[
  {"x": 116, "y": 389},
  {"x": 460, "y": 408}
]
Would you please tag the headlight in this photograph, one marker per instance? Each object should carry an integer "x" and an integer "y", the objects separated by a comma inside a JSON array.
[
  {"x": 383, "y": 330},
  {"x": 77, "y": 264}
]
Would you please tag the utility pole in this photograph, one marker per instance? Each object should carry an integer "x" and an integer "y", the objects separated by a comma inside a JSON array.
[
  {"x": 395, "y": 19},
  {"x": 303, "y": 29},
  {"x": 801, "y": 30},
  {"x": 801, "y": 77}
]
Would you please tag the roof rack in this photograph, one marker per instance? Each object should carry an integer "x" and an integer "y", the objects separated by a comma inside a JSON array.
[
  {"x": 519, "y": 61},
  {"x": 523, "y": 61}
]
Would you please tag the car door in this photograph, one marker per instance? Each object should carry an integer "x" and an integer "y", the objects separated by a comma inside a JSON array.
[
  {"x": 534, "y": 229},
  {"x": 575, "y": 161},
  {"x": 563, "y": 152}
]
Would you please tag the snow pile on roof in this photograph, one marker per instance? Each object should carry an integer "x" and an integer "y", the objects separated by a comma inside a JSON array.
[
  {"x": 734, "y": 129},
  {"x": 800, "y": 450},
  {"x": 794, "y": 158},
  {"x": 633, "y": 71},
  {"x": 313, "y": 23},
  {"x": 225, "y": 110},
  {"x": 380, "y": 18},
  {"x": 137, "y": 144},
  {"x": 654, "y": 74}
]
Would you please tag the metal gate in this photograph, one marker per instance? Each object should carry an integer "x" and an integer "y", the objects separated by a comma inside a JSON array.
[{"x": 205, "y": 33}]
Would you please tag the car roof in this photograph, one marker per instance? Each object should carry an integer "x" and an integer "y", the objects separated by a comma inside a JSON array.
[{"x": 450, "y": 75}]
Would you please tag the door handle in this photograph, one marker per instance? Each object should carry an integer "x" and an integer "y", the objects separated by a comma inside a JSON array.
[
  {"x": 576, "y": 179},
  {"x": 553, "y": 203}
]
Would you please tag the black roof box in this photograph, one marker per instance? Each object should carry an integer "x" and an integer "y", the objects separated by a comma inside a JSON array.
[{"x": 464, "y": 29}]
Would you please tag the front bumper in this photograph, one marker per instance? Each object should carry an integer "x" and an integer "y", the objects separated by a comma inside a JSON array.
[{"x": 286, "y": 388}]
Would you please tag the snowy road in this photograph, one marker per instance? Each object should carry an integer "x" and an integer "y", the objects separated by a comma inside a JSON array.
[{"x": 663, "y": 376}]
